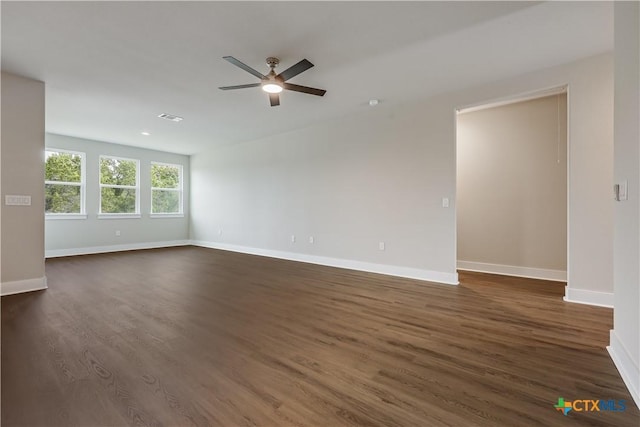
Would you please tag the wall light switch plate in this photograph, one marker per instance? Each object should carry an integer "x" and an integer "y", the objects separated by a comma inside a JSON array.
[
  {"x": 381, "y": 246},
  {"x": 445, "y": 202},
  {"x": 620, "y": 191},
  {"x": 13, "y": 200},
  {"x": 311, "y": 240},
  {"x": 623, "y": 194}
]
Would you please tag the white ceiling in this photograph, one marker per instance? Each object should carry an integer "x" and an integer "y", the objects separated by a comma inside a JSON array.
[{"x": 111, "y": 67}]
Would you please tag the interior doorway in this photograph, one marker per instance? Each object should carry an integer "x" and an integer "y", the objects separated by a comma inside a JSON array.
[{"x": 512, "y": 187}]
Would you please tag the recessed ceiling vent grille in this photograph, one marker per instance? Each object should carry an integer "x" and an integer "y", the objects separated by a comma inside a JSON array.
[{"x": 170, "y": 117}]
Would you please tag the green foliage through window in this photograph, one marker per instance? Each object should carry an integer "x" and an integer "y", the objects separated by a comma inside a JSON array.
[
  {"x": 117, "y": 200},
  {"x": 166, "y": 201},
  {"x": 166, "y": 193},
  {"x": 63, "y": 182},
  {"x": 118, "y": 171},
  {"x": 165, "y": 176}
]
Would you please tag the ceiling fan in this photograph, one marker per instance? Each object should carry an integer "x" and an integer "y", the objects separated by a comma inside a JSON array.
[{"x": 273, "y": 83}]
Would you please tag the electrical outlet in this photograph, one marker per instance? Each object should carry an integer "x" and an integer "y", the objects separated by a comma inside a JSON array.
[
  {"x": 381, "y": 246},
  {"x": 445, "y": 202},
  {"x": 118, "y": 233}
]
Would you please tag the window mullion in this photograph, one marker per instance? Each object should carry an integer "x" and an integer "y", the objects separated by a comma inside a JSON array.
[
  {"x": 77, "y": 184},
  {"x": 131, "y": 187}
]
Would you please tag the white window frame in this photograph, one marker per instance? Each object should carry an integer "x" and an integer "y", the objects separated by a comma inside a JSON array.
[
  {"x": 82, "y": 184},
  {"x": 119, "y": 215},
  {"x": 179, "y": 190}
]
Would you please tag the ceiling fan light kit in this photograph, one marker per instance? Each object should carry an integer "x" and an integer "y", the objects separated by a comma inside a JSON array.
[
  {"x": 273, "y": 83},
  {"x": 271, "y": 87}
]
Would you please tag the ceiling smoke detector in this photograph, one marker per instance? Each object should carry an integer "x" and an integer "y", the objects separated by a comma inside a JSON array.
[{"x": 171, "y": 117}]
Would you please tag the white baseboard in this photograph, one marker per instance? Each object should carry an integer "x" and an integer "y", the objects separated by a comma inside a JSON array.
[
  {"x": 20, "y": 286},
  {"x": 391, "y": 270},
  {"x": 512, "y": 270},
  {"x": 583, "y": 296},
  {"x": 54, "y": 253},
  {"x": 627, "y": 368}
]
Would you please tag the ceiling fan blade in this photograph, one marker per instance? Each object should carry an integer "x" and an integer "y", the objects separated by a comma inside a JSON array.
[
  {"x": 244, "y": 66},
  {"x": 294, "y": 70},
  {"x": 304, "y": 89},
  {"x": 274, "y": 99},
  {"x": 240, "y": 86}
]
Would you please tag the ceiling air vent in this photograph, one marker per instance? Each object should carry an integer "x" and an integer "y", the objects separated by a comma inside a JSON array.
[{"x": 170, "y": 117}]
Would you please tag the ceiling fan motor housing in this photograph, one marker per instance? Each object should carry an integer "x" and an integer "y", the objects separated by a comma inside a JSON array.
[
  {"x": 271, "y": 75},
  {"x": 272, "y": 62}
]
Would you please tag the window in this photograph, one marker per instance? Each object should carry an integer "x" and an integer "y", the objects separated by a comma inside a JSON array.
[
  {"x": 119, "y": 187},
  {"x": 64, "y": 185},
  {"x": 166, "y": 189}
]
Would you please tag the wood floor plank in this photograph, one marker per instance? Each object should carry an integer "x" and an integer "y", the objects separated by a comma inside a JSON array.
[{"x": 199, "y": 337}]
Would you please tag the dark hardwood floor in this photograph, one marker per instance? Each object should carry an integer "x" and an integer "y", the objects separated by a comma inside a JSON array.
[{"x": 193, "y": 337}]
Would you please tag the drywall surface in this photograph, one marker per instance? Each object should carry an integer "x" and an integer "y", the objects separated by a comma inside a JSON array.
[
  {"x": 70, "y": 236},
  {"x": 512, "y": 184},
  {"x": 381, "y": 175},
  {"x": 350, "y": 185},
  {"x": 625, "y": 337},
  {"x": 22, "y": 174}
]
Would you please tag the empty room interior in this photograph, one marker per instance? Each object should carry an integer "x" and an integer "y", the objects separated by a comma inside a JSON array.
[
  {"x": 511, "y": 187},
  {"x": 320, "y": 213}
]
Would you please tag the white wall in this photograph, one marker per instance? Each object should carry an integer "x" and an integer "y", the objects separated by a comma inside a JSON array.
[
  {"x": 381, "y": 176},
  {"x": 349, "y": 184},
  {"x": 512, "y": 188},
  {"x": 22, "y": 174},
  {"x": 625, "y": 336},
  {"x": 74, "y": 236}
]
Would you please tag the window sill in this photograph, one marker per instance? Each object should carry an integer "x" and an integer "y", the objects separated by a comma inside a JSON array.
[
  {"x": 119, "y": 216},
  {"x": 167, "y": 215},
  {"x": 64, "y": 216}
]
